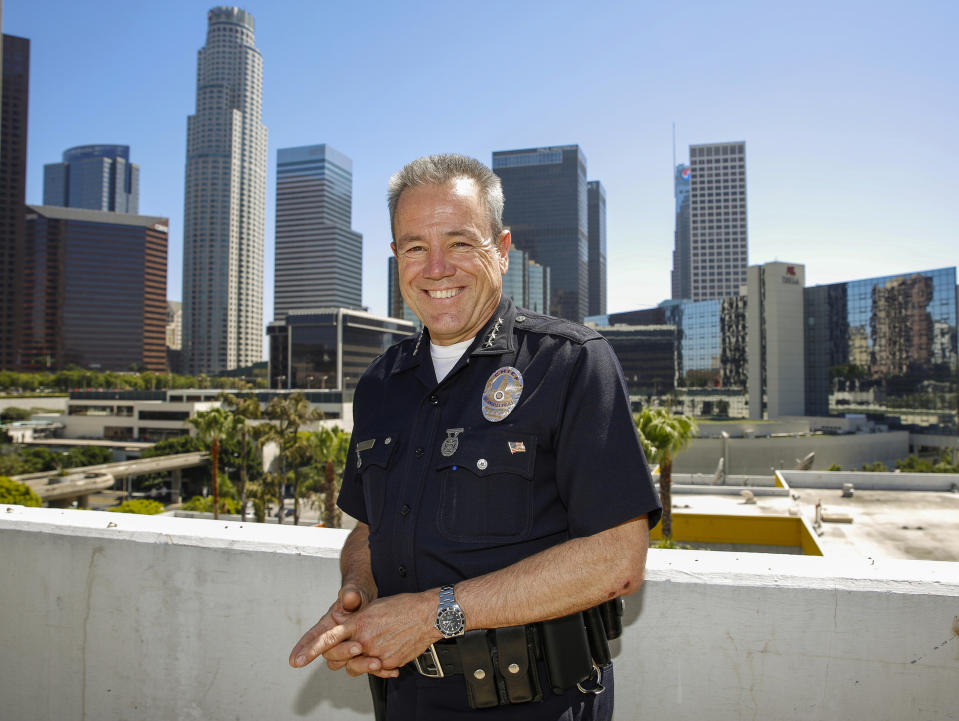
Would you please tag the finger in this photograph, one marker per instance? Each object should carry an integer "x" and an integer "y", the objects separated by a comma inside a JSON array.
[
  {"x": 312, "y": 645},
  {"x": 351, "y": 600},
  {"x": 365, "y": 664},
  {"x": 343, "y": 652}
]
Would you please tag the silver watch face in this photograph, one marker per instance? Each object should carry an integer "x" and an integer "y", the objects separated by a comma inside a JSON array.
[{"x": 451, "y": 622}]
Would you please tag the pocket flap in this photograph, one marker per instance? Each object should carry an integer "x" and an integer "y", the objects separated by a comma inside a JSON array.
[{"x": 375, "y": 450}]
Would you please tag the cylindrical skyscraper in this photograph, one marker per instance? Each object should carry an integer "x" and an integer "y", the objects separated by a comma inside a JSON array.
[{"x": 225, "y": 201}]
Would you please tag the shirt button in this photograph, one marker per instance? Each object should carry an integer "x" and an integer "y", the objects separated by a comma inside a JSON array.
[
  {"x": 404, "y": 510},
  {"x": 434, "y": 400},
  {"x": 402, "y": 571},
  {"x": 419, "y": 452},
  {"x": 482, "y": 464}
]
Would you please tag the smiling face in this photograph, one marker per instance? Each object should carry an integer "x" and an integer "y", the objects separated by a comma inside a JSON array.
[{"x": 450, "y": 268}]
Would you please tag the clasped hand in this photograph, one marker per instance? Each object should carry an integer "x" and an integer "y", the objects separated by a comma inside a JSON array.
[{"x": 364, "y": 636}]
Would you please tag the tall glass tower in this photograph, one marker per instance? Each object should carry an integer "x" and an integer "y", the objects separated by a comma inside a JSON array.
[
  {"x": 225, "y": 201},
  {"x": 96, "y": 177},
  {"x": 319, "y": 258},
  {"x": 546, "y": 210}
]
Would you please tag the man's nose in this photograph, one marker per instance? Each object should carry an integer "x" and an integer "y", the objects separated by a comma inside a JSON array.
[{"x": 438, "y": 264}]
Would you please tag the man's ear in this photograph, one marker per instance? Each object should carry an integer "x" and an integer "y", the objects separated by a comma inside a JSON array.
[
  {"x": 503, "y": 244},
  {"x": 393, "y": 248}
]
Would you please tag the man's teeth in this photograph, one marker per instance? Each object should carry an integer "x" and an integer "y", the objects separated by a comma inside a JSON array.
[{"x": 443, "y": 293}]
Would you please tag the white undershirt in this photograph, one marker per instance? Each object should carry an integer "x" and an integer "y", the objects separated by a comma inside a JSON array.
[{"x": 445, "y": 356}]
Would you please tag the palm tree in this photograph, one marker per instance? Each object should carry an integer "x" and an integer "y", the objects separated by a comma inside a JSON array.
[
  {"x": 213, "y": 427},
  {"x": 330, "y": 449},
  {"x": 288, "y": 414},
  {"x": 244, "y": 409},
  {"x": 664, "y": 435}
]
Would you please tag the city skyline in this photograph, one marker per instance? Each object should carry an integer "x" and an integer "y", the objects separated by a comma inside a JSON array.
[{"x": 844, "y": 110}]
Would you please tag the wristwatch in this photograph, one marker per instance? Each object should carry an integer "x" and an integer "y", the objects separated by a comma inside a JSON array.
[{"x": 450, "y": 620}]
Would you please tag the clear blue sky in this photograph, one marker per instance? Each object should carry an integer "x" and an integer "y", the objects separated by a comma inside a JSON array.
[{"x": 849, "y": 111}]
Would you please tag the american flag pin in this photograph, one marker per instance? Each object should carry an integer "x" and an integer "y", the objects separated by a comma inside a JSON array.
[{"x": 516, "y": 446}]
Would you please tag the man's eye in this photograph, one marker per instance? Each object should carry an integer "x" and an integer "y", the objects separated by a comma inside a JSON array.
[{"x": 415, "y": 250}]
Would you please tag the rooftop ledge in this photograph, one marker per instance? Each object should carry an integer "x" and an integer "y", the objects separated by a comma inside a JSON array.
[{"x": 116, "y": 616}]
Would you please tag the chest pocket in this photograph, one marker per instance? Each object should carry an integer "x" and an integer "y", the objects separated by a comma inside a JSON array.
[
  {"x": 486, "y": 493},
  {"x": 373, "y": 457}
]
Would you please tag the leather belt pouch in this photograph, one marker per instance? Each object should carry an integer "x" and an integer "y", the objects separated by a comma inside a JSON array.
[
  {"x": 566, "y": 651},
  {"x": 612, "y": 613},
  {"x": 596, "y": 635},
  {"x": 478, "y": 669},
  {"x": 515, "y": 666}
]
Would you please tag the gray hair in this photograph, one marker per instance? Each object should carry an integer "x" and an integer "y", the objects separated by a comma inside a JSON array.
[{"x": 443, "y": 169}]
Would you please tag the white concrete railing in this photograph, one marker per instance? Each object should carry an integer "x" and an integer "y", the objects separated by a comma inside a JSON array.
[{"x": 113, "y": 616}]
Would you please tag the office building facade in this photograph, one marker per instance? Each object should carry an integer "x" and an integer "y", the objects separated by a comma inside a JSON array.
[
  {"x": 526, "y": 281},
  {"x": 94, "y": 290},
  {"x": 318, "y": 257},
  {"x": 398, "y": 307},
  {"x": 329, "y": 348},
  {"x": 13, "y": 189},
  {"x": 711, "y": 248},
  {"x": 225, "y": 201},
  {"x": 546, "y": 210},
  {"x": 596, "y": 263},
  {"x": 681, "y": 279},
  {"x": 885, "y": 346},
  {"x": 776, "y": 372},
  {"x": 96, "y": 177}
]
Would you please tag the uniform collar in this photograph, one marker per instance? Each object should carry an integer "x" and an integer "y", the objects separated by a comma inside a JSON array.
[{"x": 495, "y": 338}]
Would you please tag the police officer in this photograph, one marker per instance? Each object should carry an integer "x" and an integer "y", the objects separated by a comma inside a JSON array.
[{"x": 498, "y": 482}]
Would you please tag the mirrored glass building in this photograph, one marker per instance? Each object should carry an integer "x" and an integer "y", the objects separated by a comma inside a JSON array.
[{"x": 886, "y": 347}]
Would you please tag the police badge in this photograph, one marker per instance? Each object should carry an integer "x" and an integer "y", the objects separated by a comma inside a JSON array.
[{"x": 502, "y": 393}]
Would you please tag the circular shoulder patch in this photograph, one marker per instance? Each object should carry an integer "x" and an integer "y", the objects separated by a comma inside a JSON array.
[{"x": 502, "y": 393}]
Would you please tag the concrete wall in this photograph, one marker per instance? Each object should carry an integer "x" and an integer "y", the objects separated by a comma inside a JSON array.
[
  {"x": 110, "y": 616},
  {"x": 872, "y": 481},
  {"x": 751, "y": 456}
]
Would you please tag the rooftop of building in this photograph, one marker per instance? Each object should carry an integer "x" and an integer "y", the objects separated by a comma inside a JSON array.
[{"x": 83, "y": 215}]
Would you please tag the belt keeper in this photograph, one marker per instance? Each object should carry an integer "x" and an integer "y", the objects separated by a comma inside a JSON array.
[
  {"x": 477, "y": 669},
  {"x": 515, "y": 667}
]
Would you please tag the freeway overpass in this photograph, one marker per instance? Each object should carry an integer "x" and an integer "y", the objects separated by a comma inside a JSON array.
[{"x": 60, "y": 488}]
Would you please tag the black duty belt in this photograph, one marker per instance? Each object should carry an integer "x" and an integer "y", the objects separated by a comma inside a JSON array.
[{"x": 500, "y": 665}]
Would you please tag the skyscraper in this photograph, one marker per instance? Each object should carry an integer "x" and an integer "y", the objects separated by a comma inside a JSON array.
[
  {"x": 681, "y": 251},
  {"x": 94, "y": 290},
  {"x": 775, "y": 357},
  {"x": 225, "y": 201},
  {"x": 319, "y": 258},
  {"x": 398, "y": 307},
  {"x": 710, "y": 262},
  {"x": 546, "y": 210},
  {"x": 97, "y": 177},
  {"x": 13, "y": 188},
  {"x": 596, "y": 264}
]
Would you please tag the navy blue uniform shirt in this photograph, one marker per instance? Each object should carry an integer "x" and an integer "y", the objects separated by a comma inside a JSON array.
[{"x": 566, "y": 462}]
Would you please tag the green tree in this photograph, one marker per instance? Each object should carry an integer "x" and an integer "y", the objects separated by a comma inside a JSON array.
[
  {"x": 331, "y": 447},
  {"x": 142, "y": 506},
  {"x": 17, "y": 494},
  {"x": 664, "y": 435},
  {"x": 244, "y": 409},
  {"x": 288, "y": 415},
  {"x": 11, "y": 414},
  {"x": 213, "y": 427},
  {"x": 834, "y": 467}
]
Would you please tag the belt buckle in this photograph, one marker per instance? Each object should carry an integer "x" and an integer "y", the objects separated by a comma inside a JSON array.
[{"x": 437, "y": 671}]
